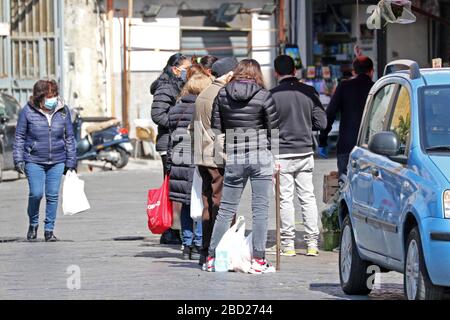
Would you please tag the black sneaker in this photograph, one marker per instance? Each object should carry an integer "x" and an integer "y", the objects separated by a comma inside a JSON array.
[
  {"x": 186, "y": 253},
  {"x": 49, "y": 236},
  {"x": 32, "y": 233},
  {"x": 195, "y": 253},
  {"x": 170, "y": 236}
]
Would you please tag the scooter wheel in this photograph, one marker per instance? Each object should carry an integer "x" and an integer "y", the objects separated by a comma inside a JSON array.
[{"x": 123, "y": 159}]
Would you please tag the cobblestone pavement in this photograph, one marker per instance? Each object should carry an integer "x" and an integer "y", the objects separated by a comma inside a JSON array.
[{"x": 119, "y": 259}]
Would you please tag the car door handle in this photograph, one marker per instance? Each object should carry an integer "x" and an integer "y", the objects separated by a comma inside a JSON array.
[{"x": 375, "y": 172}]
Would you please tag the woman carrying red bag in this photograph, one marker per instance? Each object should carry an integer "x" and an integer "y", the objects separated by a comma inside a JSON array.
[{"x": 159, "y": 209}]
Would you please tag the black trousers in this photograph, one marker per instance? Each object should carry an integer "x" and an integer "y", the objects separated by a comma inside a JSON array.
[{"x": 342, "y": 162}]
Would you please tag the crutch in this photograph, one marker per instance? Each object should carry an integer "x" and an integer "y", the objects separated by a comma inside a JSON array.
[{"x": 277, "y": 216}]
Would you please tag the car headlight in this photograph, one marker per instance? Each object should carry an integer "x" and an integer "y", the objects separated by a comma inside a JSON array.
[{"x": 447, "y": 204}]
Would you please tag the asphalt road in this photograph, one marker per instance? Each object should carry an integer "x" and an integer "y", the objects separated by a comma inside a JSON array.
[{"x": 136, "y": 266}]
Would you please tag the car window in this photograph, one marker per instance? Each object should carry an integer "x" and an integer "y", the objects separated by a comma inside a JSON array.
[
  {"x": 378, "y": 111},
  {"x": 2, "y": 107},
  {"x": 401, "y": 118},
  {"x": 435, "y": 116},
  {"x": 9, "y": 107}
]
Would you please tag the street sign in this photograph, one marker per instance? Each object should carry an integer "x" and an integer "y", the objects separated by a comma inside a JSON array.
[{"x": 4, "y": 29}]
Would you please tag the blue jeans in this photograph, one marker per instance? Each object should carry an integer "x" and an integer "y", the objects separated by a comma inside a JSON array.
[
  {"x": 191, "y": 231},
  {"x": 42, "y": 177},
  {"x": 235, "y": 179}
]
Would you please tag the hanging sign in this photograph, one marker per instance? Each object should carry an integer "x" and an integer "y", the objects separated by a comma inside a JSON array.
[{"x": 4, "y": 29}]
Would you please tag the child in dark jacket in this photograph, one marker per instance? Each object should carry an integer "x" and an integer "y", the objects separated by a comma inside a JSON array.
[{"x": 180, "y": 162}]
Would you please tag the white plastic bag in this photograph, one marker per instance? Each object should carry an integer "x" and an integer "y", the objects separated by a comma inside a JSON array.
[
  {"x": 393, "y": 11},
  {"x": 73, "y": 197},
  {"x": 241, "y": 259},
  {"x": 228, "y": 246},
  {"x": 196, "y": 196}
]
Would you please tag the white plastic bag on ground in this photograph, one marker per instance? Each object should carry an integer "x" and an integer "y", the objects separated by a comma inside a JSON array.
[
  {"x": 196, "y": 196},
  {"x": 73, "y": 197},
  {"x": 228, "y": 246},
  {"x": 241, "y": 259}
]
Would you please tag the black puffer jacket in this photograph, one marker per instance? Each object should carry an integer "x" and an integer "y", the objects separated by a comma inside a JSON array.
[
  {"x": 180, "y": 157},
  {"x": 165, "y": 91},
  {"x": 245, "y": 105}
]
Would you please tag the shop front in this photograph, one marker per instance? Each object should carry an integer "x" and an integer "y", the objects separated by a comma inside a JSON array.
[{"x": 338, "y": 33}]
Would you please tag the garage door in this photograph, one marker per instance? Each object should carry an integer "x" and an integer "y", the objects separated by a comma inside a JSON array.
[
  {"x": 216, "y": 43},
  {"x": 31, "y": 50}
]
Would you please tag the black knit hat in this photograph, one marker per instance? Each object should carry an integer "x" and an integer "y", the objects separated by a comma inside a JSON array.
[{"x": 223, "y": 66}]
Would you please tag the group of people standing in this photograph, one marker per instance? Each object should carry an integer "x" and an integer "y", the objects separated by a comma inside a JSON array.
[{"x": 206, "y": 114}]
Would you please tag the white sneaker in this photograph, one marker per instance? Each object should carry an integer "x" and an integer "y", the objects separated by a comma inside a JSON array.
[{"x": 260, "y": 266}]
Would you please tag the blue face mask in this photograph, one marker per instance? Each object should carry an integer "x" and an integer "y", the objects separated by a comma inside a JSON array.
[
  {"x": 183, "y": 74},
  {"x": 51, "y": 103}
]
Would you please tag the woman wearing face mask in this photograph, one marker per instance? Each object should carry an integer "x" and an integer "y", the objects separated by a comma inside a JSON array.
[
  {"x": 44, "y": 150},
  {"x": 165, "y": 90}
]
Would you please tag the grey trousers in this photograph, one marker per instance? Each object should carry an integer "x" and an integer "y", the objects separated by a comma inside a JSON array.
[
  {"x": 235, "y": 179},
  {"x": 296, "y": 175}
]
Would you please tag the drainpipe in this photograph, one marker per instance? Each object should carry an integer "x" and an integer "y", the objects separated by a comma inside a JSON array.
[
  {"x": 126, "y": 118},
  {"x": 112, "y": 98},
  {"x": 125, "y": 73},
  {"x": 281, "y": 26}
]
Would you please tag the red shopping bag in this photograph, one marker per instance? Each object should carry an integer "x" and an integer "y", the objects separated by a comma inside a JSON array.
[{"x": 159, "y": 208}]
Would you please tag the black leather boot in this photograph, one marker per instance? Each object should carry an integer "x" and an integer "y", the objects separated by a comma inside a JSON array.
[
  {"x": 32, "y": 233},
  {"x": 49, "y": 236}
]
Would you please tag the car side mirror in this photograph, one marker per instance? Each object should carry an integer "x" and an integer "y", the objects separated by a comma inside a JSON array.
[{"x": 385, "y": 143}]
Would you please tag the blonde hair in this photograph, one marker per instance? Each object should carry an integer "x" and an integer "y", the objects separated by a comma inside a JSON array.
[{"x": 196, "y": 84}]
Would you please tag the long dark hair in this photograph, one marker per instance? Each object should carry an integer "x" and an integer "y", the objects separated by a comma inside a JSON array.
[
  {"x": 175, "y": 60},
  {"x": 41, "y": 89},
  {"x": 249, "y": 69},
  {"x": 208, "y": 61}
]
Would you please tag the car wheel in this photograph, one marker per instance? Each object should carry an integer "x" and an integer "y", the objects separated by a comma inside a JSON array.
[
  {"x": 352, "y": 269},
  {"x": 417, "y": 283}
]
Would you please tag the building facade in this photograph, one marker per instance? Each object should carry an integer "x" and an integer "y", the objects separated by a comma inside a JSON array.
[{"x": 61, "y": 40}]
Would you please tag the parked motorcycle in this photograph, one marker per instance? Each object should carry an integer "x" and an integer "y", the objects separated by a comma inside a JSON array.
[{"x": 105, "y": 141}]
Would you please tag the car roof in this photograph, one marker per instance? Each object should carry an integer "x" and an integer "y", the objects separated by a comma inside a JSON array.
[
  {"x": 436, "y": 76},
  {"x": 429, "y": 76}
]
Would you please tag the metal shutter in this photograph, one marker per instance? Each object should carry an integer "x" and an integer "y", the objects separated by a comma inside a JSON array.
[{"x": 218, "y": 43}]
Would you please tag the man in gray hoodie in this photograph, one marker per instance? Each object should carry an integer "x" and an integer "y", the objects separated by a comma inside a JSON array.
[
  {"x": 208, "y": 149},
  {"x": 300, "y": 112}
]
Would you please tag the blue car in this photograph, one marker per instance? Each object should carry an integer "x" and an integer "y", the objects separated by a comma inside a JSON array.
[{"x": 395, "y": 204}]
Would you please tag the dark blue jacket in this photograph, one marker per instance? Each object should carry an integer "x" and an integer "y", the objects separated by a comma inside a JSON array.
[
  {"x": 179, "y": 150},
  {"x": 165, "y": 91},
  {"x": 37, "y": 141}
]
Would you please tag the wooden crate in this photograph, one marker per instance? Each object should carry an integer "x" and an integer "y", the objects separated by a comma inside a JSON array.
[{"x": 330, "y": 186}]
